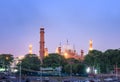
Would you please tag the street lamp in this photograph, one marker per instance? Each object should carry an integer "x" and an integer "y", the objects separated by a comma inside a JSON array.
[
  {"x": 7, "y": 67},
  {"x": 41, "y": 73},
  {"x": 116, "y": 70},
  {"x": 20, "y": 71},
  {"x": 60, "y": 67},
  {"x": 41, "y": 63},
  {"x": 71, "y": 68}
]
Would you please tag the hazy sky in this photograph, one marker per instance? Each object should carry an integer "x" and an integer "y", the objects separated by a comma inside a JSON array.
[{"x": 75, "y": 20}]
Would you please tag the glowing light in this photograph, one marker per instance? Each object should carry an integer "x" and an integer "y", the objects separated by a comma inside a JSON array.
[
  {"x": 7, "y": 58},
  {"x": 2, "y": 69},
  {"x": 56, "y": 51},
  {"x": 66, "y": 55},
  {"x": 20, "y": 57},
  {"x": 95, "y": 71},
  {"x": 88, "y": 70},
  {"x": 30, "y": 49},
  {"x": 15, "y": 70},
  {"x": 90, "y": 45},
  {"x": 46, "y": 52}
]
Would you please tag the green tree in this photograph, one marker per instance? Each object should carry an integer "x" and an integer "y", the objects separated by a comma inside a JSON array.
[
  {"x": 105, "y": 62},
  {"x": 112, "y": 58},
  {"x": 81, "y": 68},
  {"x": 30, "y": 63},
  {"x": 6, "y": 60},
  {"x": 71, "y": 66},
  {"x": 93, "y": 59},
  {"x": 75, "y": 66},
  {"x": 54, "y": 60}
]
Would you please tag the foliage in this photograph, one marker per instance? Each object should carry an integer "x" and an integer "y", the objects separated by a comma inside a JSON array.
[
  {"x": 74, "y": 66},
  {"x": 54, "y": 60},
  {"x": 30, "y": 62},
  {"x": 104, "y": 62},
  {"x": 6, "y": 60},
  {"x": 112, "y": 59}
]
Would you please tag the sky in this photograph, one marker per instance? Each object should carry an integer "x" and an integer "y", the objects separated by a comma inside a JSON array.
[{"x": 77, "y": 21}]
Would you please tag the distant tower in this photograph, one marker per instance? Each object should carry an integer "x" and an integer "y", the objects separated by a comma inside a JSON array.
[
  {"x": 30, "y": 49},
  {"x": 90, "y": 45},
  {"x": 82, "y": 55},
  {"x": 46, "y": 52},
  {"x": 42, "y": 43},
  {"x": 58, "y": 50},
  {"x": 74, "y": 49}
]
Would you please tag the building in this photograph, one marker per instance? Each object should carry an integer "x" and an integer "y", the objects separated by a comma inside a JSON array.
[
  {"x": 42, "y": 44},
  {"x": 69, "y": 52},
  {"x": 90, "y": 45},
  {"x": 58, "y": 50},
  {"x": 30, "y": 49},
  {"x": 46, "y": 52}
]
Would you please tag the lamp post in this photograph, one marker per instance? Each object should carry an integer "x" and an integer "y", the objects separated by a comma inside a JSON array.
[
  {"x": 41, "y": 62},
  {"x": 7, "y": 58},
  {"x": 20, "y": 71},
  {"x": 60, "y": 67},
  {"x": 116, "y": 71},
  {"x": 41, "y": 73},
  {"x": 71, "y": 69}
]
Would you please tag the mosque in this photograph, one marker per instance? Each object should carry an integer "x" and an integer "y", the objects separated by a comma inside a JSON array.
[
  {"x": 66, "y": 50},
  {"x": 69, "y": 52}
]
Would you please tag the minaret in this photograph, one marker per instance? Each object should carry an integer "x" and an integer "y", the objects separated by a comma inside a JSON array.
[
  {"x": 90, "y": 45},
  {"x": 46, "y": 52},
  {"x": 58, "y": 49},
  {"x": 42, "y": 43},
  {"x": 82, "y": 55},
  {"x": 74, "y": 50},
  {"x": 30, "y": 49}
]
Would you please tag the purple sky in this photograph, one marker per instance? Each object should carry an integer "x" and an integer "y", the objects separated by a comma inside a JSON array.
[{"x": 75, "y": 20}]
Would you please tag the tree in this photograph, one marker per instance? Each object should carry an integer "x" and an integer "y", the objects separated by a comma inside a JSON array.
[
  {"x": 74, "y": 66},
  {"x": 30, "y": 63},
  {"x": 93, "y": 59},
  {"x": 104, "y": 62},
  {"x": 81, "y": 68},
  {"x": 6, "y": 60},
  {"x": 112, "y": 58},
  {"x": 54, "y": 60}
]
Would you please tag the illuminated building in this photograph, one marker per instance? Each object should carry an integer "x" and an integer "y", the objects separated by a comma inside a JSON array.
[
  {"x": 90, "y": 45},
  {"x": 67, "y": 51},
  {"x": 58, "y": 50},
  {"x": 70, "y": 52},
  {"x": 42, "y": 42},
  {"x": 30, "y": 49},
  {"x": 46, "y": 52}
]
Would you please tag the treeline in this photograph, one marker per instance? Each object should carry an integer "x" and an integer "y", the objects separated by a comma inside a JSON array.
[{"x": 103, "y": 62}]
